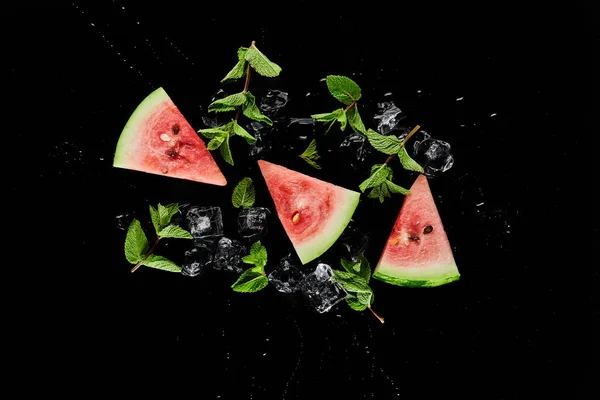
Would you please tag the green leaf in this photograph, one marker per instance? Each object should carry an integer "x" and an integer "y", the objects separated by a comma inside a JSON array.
[
  {"x": 243, "y": 194},
  {"x": 343, "y": 89},
  {"x": 328, "y": 117},
  {"x": 393, "y": 188},
  {"x": 261, "y": 63},
  {"x": 407, "y": 162},
  {"x": 229, "y": 103},
  {"x": 136, "y": 243},
  {"x": 385, "y": 191},
  {"x": 155, "y": 218},
  {"x": 250, "y": 281},
  {"x": 251, "y": 111},
  {"x": 257, "y": 255},
  {"x": 211, "y": 133},
  {"x": 238, "y": 130},
  {"x": 216, "y": 142},
  {"x": 165, "y": 213},
  {"x": 379, "y": 174},
  {"x": 310, "y": 155},
  {"x": 385, "y": 144},
  {"x": 160, "y": 262},
  {"x": 365, "y": 298},
  {"x": 174, "y": 231},
  {"x": 361, "y": 267},
  {"x": 375, "y": 193},
  {"x": 355, "y": 303},
  {"x": 239, "y": 70},
  {"x": 351, "y": 282},
  {"x": 355, "y": 121},
  {"x": 226, "y": 151}
]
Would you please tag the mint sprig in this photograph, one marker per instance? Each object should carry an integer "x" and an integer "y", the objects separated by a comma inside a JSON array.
[
  {"x": 243, "y": 103},
  {"x": 355, "y": 279},
  {"x": 243, "y": 194},
  {"x": 254, "y": 278},
  {"x": 347, "y": 92},
  {"x": 137, "y": 248},
  {"x": 310, "y": 155}
]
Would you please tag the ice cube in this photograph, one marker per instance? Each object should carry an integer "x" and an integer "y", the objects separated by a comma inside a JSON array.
[
  {"x": 205, "y": 223},
  {"x": 359, "y": 148},
  {"x": 321, "y": 290},
  {"x": 354, "y": 241},
  {"x": 299, "y": 133},
  {"x": 228, "y": 255},
  {"x": 264, "y": 138},
  {"x": 273, "y": 101},
  {"x": 252, "y": 222},
  {"x": 198, "y": 258},
  {"x": 388, "y": 117},
  {"x": 286, "y": 276},
  {"x": 434, "y": 155}
]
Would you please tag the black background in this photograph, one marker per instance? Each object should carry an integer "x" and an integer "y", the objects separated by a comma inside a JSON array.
[{"x": 516, "y": 325}]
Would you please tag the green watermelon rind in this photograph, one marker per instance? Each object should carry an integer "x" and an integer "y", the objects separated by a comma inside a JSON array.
[
  {"x": 444, "y": 274},
  {"x": 124, "y": 145},
  {"x": 315, "y": 247}
]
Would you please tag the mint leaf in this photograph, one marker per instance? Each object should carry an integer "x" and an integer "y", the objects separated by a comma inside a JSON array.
[
  {"x": 384, "y": 191},
  {"x": 160, "y": 262},
  {"x": 361, "y": 267},
  {"x": 343, "y": 89},
  {"x": 238, "y": 130},
  {"x": 375, "y": 193},
  {"x": 250, "y": 281},
  {"x": 257, "y": 255},
  {"x": 337, "y": 115},
  {"x": 310, "y": 155},
  {"x": 211, "y": 133},
  {"x": 155, "y": 219},
  {"x": 243, "y": 193},
  {"x": 165, "y": 213},
  {"x": 379, "y": 174},
  {"x": 136, "y": 243},
  {"x": 355, "y": 303},
  {"x": 216, "y": 142},
  {"x": 393, "y": 188},
  {"x": 355, "y": 121},
  {"x": 261, "y": 63},
  {"x": 239, "y": 70},
  {"x": 385, "y": 144},
  {"x": 351, "y": 282},
  {"x": 226, "y": 151},
  {"x": 407, "y": 162},
  {"x": 229, "y": 103},
  {"x": 366, "y": 298},
  {"x": 174, "y": 231},
  {"x": 251, "y": 111}
]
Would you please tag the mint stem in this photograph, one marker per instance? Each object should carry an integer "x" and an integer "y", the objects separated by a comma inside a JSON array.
[
  {"x": 246, "y": 86},
  {"x": 376, "y": 315},
  {"x": 139, "y": 264},
  {"x": 414, "y": 130},
  {"x": 350, "y": 106}
]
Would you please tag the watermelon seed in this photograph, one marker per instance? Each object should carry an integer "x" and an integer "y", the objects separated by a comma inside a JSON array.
[
  {"x": 164, "y": 170},
  {"x": 415, "y": 238},
  {"x": 428, "y": 229},
  {"x": 165, "y": 137},
  {"x": 176, "y": 128},
  {"x": 394, "y": 241},
  {"x": 296, "y": 218}
]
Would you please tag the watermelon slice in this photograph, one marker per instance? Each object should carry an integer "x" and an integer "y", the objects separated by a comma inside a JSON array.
[
  {"x": 157, "y": 139},
  {"x": 417, "y": 253},
  {"x": 313, "y": 213}
]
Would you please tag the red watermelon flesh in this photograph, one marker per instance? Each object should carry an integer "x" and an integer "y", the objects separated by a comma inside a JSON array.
[
  {"x": 417, "y": 253},
  {"x": 314, "y": 213},
  {"x": 157, "y": 139}
]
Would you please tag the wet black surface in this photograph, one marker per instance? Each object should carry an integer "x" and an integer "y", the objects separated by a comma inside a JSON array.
[{"x": 508, "y": 87}]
